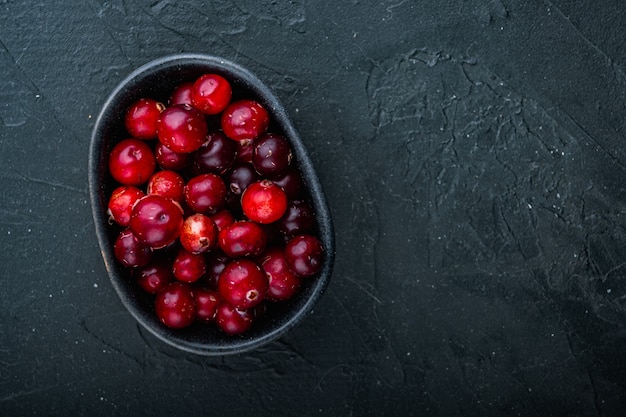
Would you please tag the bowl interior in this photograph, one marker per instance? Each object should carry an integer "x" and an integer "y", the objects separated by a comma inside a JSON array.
[{"x": 157, "y": 80}]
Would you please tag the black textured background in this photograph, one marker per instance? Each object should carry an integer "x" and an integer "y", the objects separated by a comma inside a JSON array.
[{"x": 473, "y": 154}]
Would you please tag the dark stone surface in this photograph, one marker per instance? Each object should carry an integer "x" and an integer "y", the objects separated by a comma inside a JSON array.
[{"x": 473, "y": 156}]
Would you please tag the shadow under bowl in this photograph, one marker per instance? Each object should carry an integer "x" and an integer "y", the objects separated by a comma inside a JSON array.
[{"x": 157, "y": 80}]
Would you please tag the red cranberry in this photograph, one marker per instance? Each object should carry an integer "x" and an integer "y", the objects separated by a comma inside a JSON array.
[
  {"x": 175, "y": 305},
  {"x": 142, "y": 117},
  {"x": 304, "y": 255},
  {"x": 129, "y": 251},
  {"x": 244, "y": 120},
  {"x": 272, "y": 155},
  {"x": 156, "y": 220},
  {"x": 242, "y": 238},
  {"x": 291, "y": 182},
  {"x": 154, "y": 276},
  {"x": 131, "y": 162},
  {"x": 222, "y": 219},
  {"x": 211, "y": 93},
  {"x": 168, "y": 159},
  {"x": 188, "y": 267},
  {"x": 283, "y": 283},
  {"x": 240, "y": 178},
  {"x": 299, "y": 218},
  {"x": 207, "y": 301},
  {"x": 169, "y": 184},
  {"x": 216, "y": 261},
  {"x": 264, "y": 202},
  {"x": 232, "y": 320},
  {"x": 242, "y": 283},
  {"x": 205, "y": 193},
  {"x": 181, "y": 94},
  {"x": 216, "y": 155},
  {"x": 198, "y": 234},
  {"x": 121, "y": 203},
  {"x": 182, "y": 128}
]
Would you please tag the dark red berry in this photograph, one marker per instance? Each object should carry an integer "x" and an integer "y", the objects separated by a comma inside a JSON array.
[
  {"x": 304, "y": 255},
  {"x": 182, "y": 128},
  {"x": 121, "y": 203},
  {"x": 211, "y": 93},
  {"x": 154, "y": 276},
  {"x": 244, "y": 120},
  {"x": 131, "y": 162},
  {"x": 264, "y": 202},
  {"x": 168, "y": 159},
  {"x": 188, "y": 267},
  {"x": 156, "y": 220},
  {"x": 129, "y": 251},
  {"x": 181, "y": 94},
  {"x": 167, "y": 183},
  {"x": 283, "y": 283},
  {"x": 291, "y": 182},
  {"x": 205, "y": 193},
  {"x": 198, "y": 234},
  {"x": 272, "y": 155},
  {"x": 244, "y": 151},
  {"x": 142, "y": 117},
  {"x": 222, "y": 219},
  {"x": 243, "y": 283},
  {"x": 207, "y": 301},
  {"x": 216, "y": 155},
  {"x": 242, "y": 238},
  {"x": 240, "y": 177},
  {"x": 299, "y": 218},
  {"x": 175, "y": 305},
  {"x": 216, "y": 261},
  {"x": 232, "y": 320}
]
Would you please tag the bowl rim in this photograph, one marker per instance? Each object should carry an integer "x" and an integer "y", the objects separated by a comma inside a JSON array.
[{"x": 277, "y": 111}]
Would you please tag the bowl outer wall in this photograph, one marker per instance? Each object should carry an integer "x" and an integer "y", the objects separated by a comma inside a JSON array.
[{"x": 166, "y": 73}]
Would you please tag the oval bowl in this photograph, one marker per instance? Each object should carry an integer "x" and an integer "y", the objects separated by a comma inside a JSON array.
[{"x": 157, "y": 79}]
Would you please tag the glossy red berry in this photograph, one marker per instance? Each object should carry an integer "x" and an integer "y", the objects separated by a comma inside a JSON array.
[
  {"x": 168, "y": 159},
  {"x": 291, "y": 182},
  {"x": 211, "y": 93},
  {"x": 198, "y": 234},
  {"x": 167, "y": 183},
  {"x": 181, "y": 94},
  {"x": 216, "y": 155},
  {"x": 244, "y": 120},
  {"x": 205, "y": 193},
  {"x": 264, "y": 202},
  {"x": 182, "y": 128},
  {"x": 283, "y": 283},
  {"x": 243, "y": 283},
  {"x": 233, "y": 321},
  {"x": 304, "y": 255},
  {"x": 188, "y": 267},
  {"x": 207, "y": 301},
  {"x": 242, "y": 238},
  {"x": 131, "y": 162},
  {"x": 216, "y": 261},
  {"x": 129, "y": 251},
  {"x": 156, "y": 220},
  {"x": 175, "y": 305},
  {"x": 272, "y": 155},
  {"x": 154, "y": 276},
  {"x": 121, "y": 202},
  {"x": 142, "y": 117}
]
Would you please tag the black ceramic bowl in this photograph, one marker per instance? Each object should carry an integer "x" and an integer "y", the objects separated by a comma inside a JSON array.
[{"x": 157, "y": 79}]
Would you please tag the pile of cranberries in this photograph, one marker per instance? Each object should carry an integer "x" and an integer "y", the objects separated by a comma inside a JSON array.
[{"x": 211, "y": 211}]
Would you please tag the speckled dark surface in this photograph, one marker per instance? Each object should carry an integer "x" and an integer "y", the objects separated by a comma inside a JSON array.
[{"x": 473, "y": 155}]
